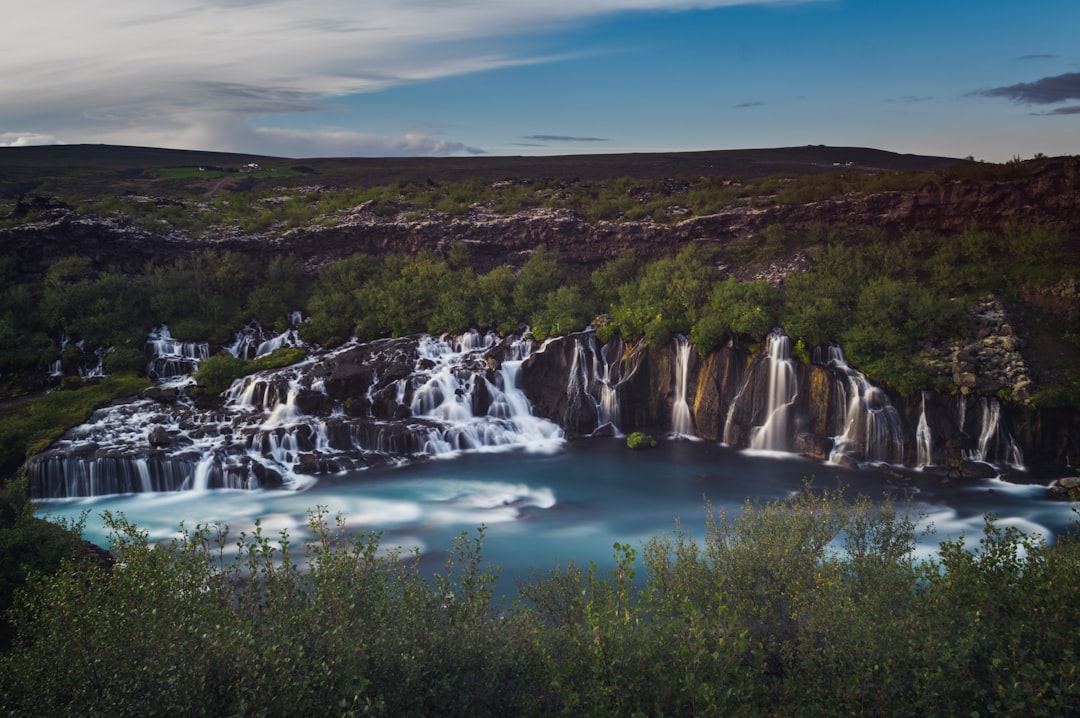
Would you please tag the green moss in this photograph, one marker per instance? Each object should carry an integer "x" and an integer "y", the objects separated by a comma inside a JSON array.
[
  {"x": 640, "y": 440},
  {"x": 28, "y": 427}
]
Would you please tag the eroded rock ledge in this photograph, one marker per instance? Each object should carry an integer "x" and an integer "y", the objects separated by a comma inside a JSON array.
[{"x": 1047, "y": 197}]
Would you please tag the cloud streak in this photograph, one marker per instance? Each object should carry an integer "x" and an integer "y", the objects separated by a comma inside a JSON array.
[
  {"x": 1048, "y": 90},
  {"x": 26, "y": 139},
  {"x": 207, "y": 69},
  {"x": 565, "y": 138},
  {"x": 1070, "y": 110}
]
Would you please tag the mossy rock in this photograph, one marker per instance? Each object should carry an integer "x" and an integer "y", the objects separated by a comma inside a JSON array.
[{"x": 640, "y": 440}]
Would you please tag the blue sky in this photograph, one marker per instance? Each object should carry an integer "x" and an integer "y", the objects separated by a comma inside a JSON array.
[{"x": 990, "y": 79}]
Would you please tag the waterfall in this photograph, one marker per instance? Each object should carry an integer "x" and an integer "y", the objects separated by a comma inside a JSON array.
[
  {"x": 589, "y": 389},
  {"x": 280, "y": 428},
  {"x": 682, "y": 423},
  {"x": 996, "y": 445},
  {"x": 924, "y": 440},
  {"x": 170, "y": 358},
  {"x": 872, "y": 428},
  {"x": 254, "y": 340},
  {"x": 97, "y": 370},
  {"x": 781, "y": 388},
  {"x": 604, "y": 370}
]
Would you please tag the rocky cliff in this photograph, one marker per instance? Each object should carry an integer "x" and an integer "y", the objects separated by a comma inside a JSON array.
[
  {"x": 1047, "y": 195},
  {"x": 829, "y": 412}
]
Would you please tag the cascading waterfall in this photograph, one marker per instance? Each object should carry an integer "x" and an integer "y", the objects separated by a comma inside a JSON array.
[
  {"x": 96, "y": 370},
  {"x": 781, "y": 388},
  {"x": 996, "y": 445},
  {"x": 279, "y": 428},
  {"x": 170, "y": 358},
  {"x": 682, "y": 422},
  {"x": 924, "y": 439},
  {"x": 873, "y": 428},
  {"x": 586, "y": 372},
  {"x": 254, "y": 340},
  {"x": 609, "y": 393}
]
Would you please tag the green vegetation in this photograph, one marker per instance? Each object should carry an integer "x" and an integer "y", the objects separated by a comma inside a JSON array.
[
  {"x": 30, "y": 546},
  {"x": 31, "y": 425},
  {"x": 640, "y": 440},
  {"x": 882, "y": 298},
  {"x": 807, "y": 606},
  {"x": 885, "y": 299},
  {"x": 278, "y": 196},
  {"x": 211, "y": 172},
  {"x": 216, "y": 373}
]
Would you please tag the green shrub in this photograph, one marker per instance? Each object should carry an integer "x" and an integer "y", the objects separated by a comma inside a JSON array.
[
  {"x": 215, "y": 374},
  {"x": 811, "y": 605},
  {"x": 640, "y": 440},
  {"x": 31, "y": 547}
]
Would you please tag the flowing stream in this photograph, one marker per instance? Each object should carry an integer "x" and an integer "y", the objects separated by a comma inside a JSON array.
[
  {"x": 438, "y": 442},
  {"x": 572, "y": 505}
]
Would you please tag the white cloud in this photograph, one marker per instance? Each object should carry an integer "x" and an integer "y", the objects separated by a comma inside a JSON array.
[
  {"x": 165, "y": 73},
  {"x": 26, "y": 139}
]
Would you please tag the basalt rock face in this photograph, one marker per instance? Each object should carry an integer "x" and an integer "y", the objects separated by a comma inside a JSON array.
[
  {"x": 106, "y": 242},
  {"x": 1048, "y": 197},
  {"x": 832, "y": 411}
]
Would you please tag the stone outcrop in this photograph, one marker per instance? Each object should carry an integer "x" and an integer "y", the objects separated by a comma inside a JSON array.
[{"x": 991, "y": 362}]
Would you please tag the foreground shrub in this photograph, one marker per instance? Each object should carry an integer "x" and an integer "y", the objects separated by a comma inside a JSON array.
[{"x": 807, "y": 606}]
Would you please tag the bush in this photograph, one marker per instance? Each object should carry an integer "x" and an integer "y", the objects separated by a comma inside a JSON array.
[
  {"x": 640, "y": 440},
  {"x": 217, "y": 373},
  {"x": 810, "y": 605}
]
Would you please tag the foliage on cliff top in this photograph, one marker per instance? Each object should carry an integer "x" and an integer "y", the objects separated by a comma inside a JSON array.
[
  {"x": 882, "y": 298},
  {"x": 809, "y": 605},
  {"x": 101, "y": 169}
]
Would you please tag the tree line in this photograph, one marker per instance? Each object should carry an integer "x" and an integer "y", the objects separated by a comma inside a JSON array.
[{"x": 883, "y": 299}]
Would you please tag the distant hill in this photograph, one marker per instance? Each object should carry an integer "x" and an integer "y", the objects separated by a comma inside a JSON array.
[{"x": 88, "y": 169}]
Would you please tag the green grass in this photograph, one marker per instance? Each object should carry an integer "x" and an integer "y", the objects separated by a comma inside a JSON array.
[
  {"x": 177, "y": 173},
  {"x": 28, "y": 427}
]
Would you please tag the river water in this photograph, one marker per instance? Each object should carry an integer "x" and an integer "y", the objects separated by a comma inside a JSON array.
[{"x": 567, "y": 503}]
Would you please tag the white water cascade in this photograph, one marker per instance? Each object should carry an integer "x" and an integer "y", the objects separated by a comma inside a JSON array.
[
  {"x": 873, "y": 430},
  {"x": 254, "y": 341},
  {"x": 591, "y": 381},
  {"x": 924, "y": 439},
  {"x": 682, "y": 422},
  {"x": 782, "y": 387},
  {"x": 996, "y": 445},
  {"x": 172, "y": 359},
  {"x": 281, "y": 428}
]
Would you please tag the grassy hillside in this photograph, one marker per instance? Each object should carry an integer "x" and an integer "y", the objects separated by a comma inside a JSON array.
[{"x": 95, "y": 169}]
